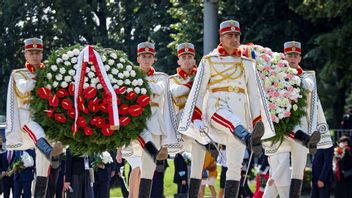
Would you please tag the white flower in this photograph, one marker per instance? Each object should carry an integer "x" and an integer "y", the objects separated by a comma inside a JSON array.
[
  {"x": 133, "y": 73},
  {"x": 48, "y": 86},
  {"x": 70, "y": 54},
  {"x": 120, "y": 75},
  {"x": 58, "y": 77},
  {"x": 127, "y": 82},
  {"x": 64, "y": 57},
  {"x": 87, "y": 69},
  {"x": 111, "y": 62},
  {"x": 120, "y": 82},
  {"x": 62, "y": 70},
  {"x": 134, "y": 82},
  {"x": 94, "y": 80},
  {"x": 64, "y": 84},
  {"x": 137, "y": 90},
  {"x": 76, "y": 52},
  {"x": 68, "y": 79},
  {"x": 119, "y": 66},
  {"x": 27, "y": 160},
  {"x": 92, "y": 85},
  {"x": 140, "y": 82},
  {"x": 71, "y": 72},
  {"x": 129, "y": 90},
  {"x": 113, "y": 55},
  {"x": 49, "y": 76},
  {"x": 114, "y": 71},
  {"x": 106, "y": 157},
  {"x": 73, "y": 60},
  {"x": 103, "y": 58},
  {"x": 91, "y": 74},
  {"x": 115, "y": 86},
  {"x": 76, "y": 66},
  {"x": 67, "y": 63},
  {"x": 107, "y": 67},
  {"x": 99, "y": 86},
  {"x": 143, "y": 91},
  {"x": 126, "y": 74},
  {"x": 111, "y": 77},
  {"x": 114, "y": 81},
  {"x": 58, "y": 60},
  {"x": 128, "y": 67},
  {"x": 92, "y": 68},
  {"x": 86, "y": 79},
  {"x": 53, "y": 68},
  {"x": 85, "y": 85},
  {"x": 122, "y": 60},
  {"x": 55, "y": 84}
]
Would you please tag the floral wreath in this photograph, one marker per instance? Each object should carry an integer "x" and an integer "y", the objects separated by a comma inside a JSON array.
[
  {"x": 285, "y": 95},
  {"x": 54, "y": 102}
]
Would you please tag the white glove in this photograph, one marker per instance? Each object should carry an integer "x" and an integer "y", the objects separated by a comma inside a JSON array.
[
  {"x": 199, "y": 124},
  {"x": 31, "y": 84}
]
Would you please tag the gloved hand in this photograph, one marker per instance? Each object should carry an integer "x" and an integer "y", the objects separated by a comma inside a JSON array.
[
  {"x": 308, "y": 84},
  {"x": 199, "y": 124}
]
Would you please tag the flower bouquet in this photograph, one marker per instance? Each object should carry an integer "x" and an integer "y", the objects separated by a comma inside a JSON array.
[
  {"x": 110, "y": 89},
  {"x": 101, "y": 160},
  {"x": 17, "y": 166},
  {"x": 285, "y": 95}
]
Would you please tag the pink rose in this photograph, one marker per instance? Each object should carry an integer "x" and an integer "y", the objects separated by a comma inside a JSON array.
[
  {"x": 276, "y": 94},
  {"x": 287, "y": 114},
  {"x": 286, "y": 94},
  {"x": 290, "y": 88},
  {"x": 289, "y": 76},
  {"x": 266, "y": 68},
  {"x": 272, "y": 106},
  {"x": 276, "y": 84}
]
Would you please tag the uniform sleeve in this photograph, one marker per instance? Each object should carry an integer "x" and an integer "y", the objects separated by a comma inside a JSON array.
[
  {"x": 22, "y": 84},
  {"x": 178, "y": 90},
  {"x": 204, "y": 77},
  {"x": 308, "y": 83},
  {"x": 158, "y": 87},
  {"x": 253, "y": 91}
]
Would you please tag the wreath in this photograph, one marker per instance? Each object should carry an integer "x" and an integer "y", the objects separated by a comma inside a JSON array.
[
  {"x": 284, "y": 92},
  {"x": 55, "y": 107}
]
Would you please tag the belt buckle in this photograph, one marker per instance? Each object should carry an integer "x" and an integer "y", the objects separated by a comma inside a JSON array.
[{"x": 230, "y": 89}]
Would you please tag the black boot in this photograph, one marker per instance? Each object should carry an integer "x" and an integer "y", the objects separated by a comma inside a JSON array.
[
  {"x": 145, "y": 188},
  {"x": 252, "y": 140},
  {"x": 193, "y": 189},
  {"x": 154, "y": 153},
  {"x": 232, "y": 188},
  {"x": 40, "y": 187},
  {"x": 308, "y": 141},
  {"x": 295, "y": 188}
]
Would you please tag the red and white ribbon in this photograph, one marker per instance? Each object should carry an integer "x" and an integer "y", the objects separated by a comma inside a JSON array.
[{"x": 88, "y": 54}]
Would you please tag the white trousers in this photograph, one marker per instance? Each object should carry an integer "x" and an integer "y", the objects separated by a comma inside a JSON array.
[
  {"x": 197, "y": 160},
  {"x": 273, "y": 191},
  {"x": 298, "y": 159},
  {"x": 148, "y": 166}
]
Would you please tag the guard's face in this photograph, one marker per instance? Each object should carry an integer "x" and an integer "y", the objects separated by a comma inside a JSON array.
[
  {"x": 231, "y": 40},
  {"x": 145, "y": 61},
  {"x": 293, "y": 59},
  {"x": 186, "y": 61},
  {"x": 33, "y": 57}
]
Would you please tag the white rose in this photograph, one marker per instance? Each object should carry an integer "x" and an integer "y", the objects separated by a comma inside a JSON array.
[
  {"x": 58, "y": 60},
  {"x": 86, "y": 85},
  {"x": 64, "y": 57},
  {"x": 107, "y": 67},
  {"x": 87, "y": 69},
  {"x": 49, "y": 76},
  {"x": 113, "y": 55},
  {"x": 68, "y": 78},
  {"x": 70, "y": 54},
  {"x": 48, "y": 86},
  {"x": 67, "y": 63},
  {"x": 94, "y": 80},
  {"x": 71, "y": 72},
  {"x": 53, "y": 68},
  {"x": 143, "y": 91},
  {"x": 133, "y": 73},
  {"x": 58, "y": 77},
  {"x": 120, "y": 75},
  {"x": 64, "y": 84},
  {"x": 127, "y": 82},
  {"x": 140, "y": 82},
  {"x": 103, "y": 58},
  {"x": 74, "y": 60},
  {"x": 76, "y": 66},
  {"x": 111, "y": 62},
  {"x": 115, "y": 86},
  {"x": 134, "y": 82},
  {"x": 55, "y": 84},
  {"x": 120, "y": 82},
  {"x": 114, "y": 81},
  {"x": 281, "y": 115},
  {"x": 129, "y": 90},
  {"x": 137, "y": 90},
  {"x": 62, "y": 70},
  {"x": 99, "y": 86},
  {"x": 76, "y": 52},
  {"x": 128, "y": 67},
  {"x": 119, "y": 66},
  {"x": 114, "y": 71},
  {"x": 126, "y": 74},
  {"x": 122, "y": 60},
  {"x": 92, "y": 68},
  {"x": 91, "y": 74},
  {"x": 111, "y": 77}
]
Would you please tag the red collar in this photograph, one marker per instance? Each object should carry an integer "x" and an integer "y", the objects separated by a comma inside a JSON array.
[
  {"x": 184, "y": 75},
  {"x": 151, "y": 71},
  {"x": 31, "y": 68},
  {"x": 223, "y": 52},
  {"x": 299, "y": 70}
]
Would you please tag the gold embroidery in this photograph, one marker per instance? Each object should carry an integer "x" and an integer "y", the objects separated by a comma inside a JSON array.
[
  {"x": 236, "y": 68},
  {"x": 17, "y": 92}
]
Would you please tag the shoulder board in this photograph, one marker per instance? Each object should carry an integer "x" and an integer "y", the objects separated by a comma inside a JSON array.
[{"x": 248, "y": 59}]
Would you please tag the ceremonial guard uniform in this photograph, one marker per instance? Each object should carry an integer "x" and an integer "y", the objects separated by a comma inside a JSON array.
[
  {"x": 160, "y": 131},
  {"x": 22, "y": 132},
  {"x": 180, "y": 86},
  {"x": 225, "y": 96}
]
